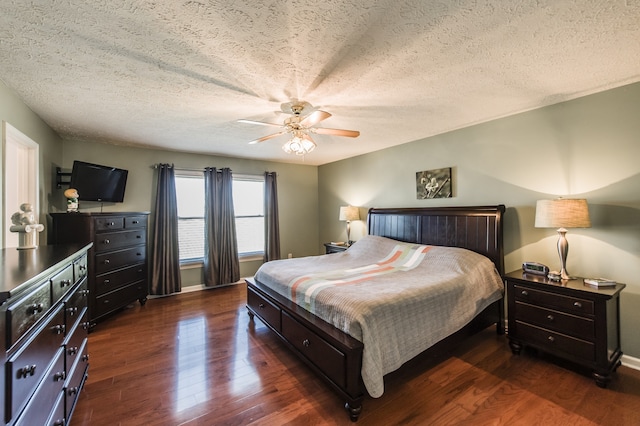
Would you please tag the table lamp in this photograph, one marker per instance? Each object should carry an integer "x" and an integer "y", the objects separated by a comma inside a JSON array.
[
  {"x": 349, "y": 213},
  {"x": 562, "y": 213}
]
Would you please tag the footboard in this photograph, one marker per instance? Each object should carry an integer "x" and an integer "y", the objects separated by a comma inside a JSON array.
[{"x": 334, "y": 355}]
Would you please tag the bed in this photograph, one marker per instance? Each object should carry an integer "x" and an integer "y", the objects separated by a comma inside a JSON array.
[{"x": 351, "y": 316}]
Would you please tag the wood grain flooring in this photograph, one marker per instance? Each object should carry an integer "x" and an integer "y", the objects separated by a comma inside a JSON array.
[{"x": 196, "y": 359}]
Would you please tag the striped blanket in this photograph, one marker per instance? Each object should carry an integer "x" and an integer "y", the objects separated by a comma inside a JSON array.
[{"x": 397, "y": 298}]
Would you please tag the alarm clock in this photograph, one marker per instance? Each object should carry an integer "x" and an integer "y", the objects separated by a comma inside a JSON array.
[{"x": 535, "y": 268}]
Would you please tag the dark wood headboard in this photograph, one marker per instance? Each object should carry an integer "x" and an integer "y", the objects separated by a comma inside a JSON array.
[{"x": 477, "y": 228}]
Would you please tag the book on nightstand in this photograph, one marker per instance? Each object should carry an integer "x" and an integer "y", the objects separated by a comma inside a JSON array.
[{"x": 599, "y": 282}]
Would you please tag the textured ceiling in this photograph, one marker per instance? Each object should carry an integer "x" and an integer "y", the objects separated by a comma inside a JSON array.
[{"x": 178, "y": 74}]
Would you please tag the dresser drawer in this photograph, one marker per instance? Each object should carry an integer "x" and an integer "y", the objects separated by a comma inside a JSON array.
[
  {"x": 117, "y": 259},
  {"x": 109, "y": 223},
  {"x": 112, "y": 280},
  {"x": 553, "y": 300},
  {"x": 76, "y": 336},
  {"x": 114, "y": 240},
  {"x": 75, "y": 303},
  {"x": 26, "y": 367},
  {"x": 135, "y": 222},
  {"x": 49, "y": 391},
  {"x": 550, "y": 340},
  {"x": 22, "y": 315},
  {"x": 76, "y": 376},
  {"x": 321, "y": 353},
  {"x": 80, "y": 268},
  {"x": 61, "y": 283},
  {"x": 57, "y": 417},
  {"x": 265, "y": 309},
  {"x": 572, "y": 325},
  {"x": 116, "y": 299}
]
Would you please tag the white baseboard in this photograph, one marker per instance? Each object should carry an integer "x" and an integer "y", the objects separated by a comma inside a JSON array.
[
  {"x": 197, "y": 287},
  {"x": 631, "y": 362}
]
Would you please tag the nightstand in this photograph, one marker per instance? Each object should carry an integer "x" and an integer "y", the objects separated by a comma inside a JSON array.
[
  {"x": 567, "y": 319},
  {"x": 334, "y": 248}
]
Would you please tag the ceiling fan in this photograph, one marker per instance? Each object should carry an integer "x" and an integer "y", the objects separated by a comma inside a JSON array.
[{"x": 302, "y": 122}]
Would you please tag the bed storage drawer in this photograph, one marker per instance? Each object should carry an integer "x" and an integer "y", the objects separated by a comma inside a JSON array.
[
  {"x": 321, "y": 353},
  {"x": 266, "y": 310}
]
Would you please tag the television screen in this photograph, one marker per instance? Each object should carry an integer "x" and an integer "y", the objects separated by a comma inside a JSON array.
[{"x": 98, "y": 183}]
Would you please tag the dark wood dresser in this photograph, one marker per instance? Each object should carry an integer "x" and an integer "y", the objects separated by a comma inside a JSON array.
[
  {"x": 44, "y": 329},
  {"x": 568, "y": 319},
  {"x": 117, "y": 263}
]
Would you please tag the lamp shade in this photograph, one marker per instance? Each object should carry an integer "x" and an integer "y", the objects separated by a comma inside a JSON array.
[
  {"x": 562, "y": 213},
  {"x": 349, "y": 213}
]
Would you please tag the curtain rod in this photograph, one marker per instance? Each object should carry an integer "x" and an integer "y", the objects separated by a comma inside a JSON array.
[{"x": 184, "y": 169}]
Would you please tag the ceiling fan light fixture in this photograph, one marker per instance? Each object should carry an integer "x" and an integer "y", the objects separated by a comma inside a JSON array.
[{"x": 299, "y": 144}]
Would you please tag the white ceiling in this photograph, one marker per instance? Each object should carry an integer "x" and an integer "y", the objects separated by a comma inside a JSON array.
[{"x": 178, "y": 74}]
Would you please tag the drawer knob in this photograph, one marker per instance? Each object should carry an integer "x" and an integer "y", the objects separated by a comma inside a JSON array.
[
  {"x": 72, "y": 391},
  {"x": 59, "y": 329},
  {"x": 551, "y": 339},
  {"x": 111, "y": 223},
  {"x": 59, "y": 422},
  {"x": 135, "y": 222},
  {"x": 106, "y": 241},
  {"x": 524, "y": 293},
  {"x": 306, "y": 343},
  {"x": 72, "y": 350},
  {"x": 261, "y": 306},
  {"x": 577, "y": 304},
  {"x": 550, "y": 317},
  {"x": 83, "y": 267},
  {"x": 29, "y": 370},
  {"x": 65, "y": 283},
  {"x": 61, "y": 375},
  {"x": 36, "y": 308},
  {"x": 85, "y": 358},
  {"x": 72, "y": 310},
  {"x": 107, "y": 261}
]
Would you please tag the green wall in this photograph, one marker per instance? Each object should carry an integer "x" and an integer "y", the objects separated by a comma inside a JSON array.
[
  {"x": 587, "y": 148},
  {"x": 297, "y": 191},
  {"x": 16, "y": 113}
]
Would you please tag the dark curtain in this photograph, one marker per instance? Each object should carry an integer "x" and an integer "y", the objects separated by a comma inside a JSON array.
[
  {"x": 165, "y": 259},
  {"x": 271, "y": 225},
  {"x": 221, "y": 264}
]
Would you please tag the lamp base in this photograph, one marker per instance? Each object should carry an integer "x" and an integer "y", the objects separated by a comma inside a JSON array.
[{"x": 563, "y": 250}]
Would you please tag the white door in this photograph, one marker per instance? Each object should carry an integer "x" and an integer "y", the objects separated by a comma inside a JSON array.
[{"x": 19, "y": 178}]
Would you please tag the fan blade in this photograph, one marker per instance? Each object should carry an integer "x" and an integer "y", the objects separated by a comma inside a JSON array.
[
  {"x": 266, "y": 138},
  {"x": 336, "y": 132},
  {"x": 314, "y": 118},
  {"x": 262, "y": 123}
]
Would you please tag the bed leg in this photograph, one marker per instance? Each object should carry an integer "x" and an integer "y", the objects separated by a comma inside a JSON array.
[{"x": 354, "y": 411}]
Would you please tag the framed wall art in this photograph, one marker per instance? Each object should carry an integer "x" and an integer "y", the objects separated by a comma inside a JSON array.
[{"x": 434, "y": 183}]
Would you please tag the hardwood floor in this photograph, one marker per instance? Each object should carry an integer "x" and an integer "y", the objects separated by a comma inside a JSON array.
[{"x": 196, "y": 359}]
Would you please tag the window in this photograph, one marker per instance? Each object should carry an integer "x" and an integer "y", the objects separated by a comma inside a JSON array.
[{"x": 248, "y": 203}]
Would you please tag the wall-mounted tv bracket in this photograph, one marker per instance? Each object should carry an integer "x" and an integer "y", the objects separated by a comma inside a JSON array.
[{"x": 62, "y": 178}]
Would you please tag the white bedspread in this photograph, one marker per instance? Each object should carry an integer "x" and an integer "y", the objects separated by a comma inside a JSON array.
[{"x": 397, "y": 298}]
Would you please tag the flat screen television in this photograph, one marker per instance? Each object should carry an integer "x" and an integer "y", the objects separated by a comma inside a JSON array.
[{"x": 98, "y": 183}]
